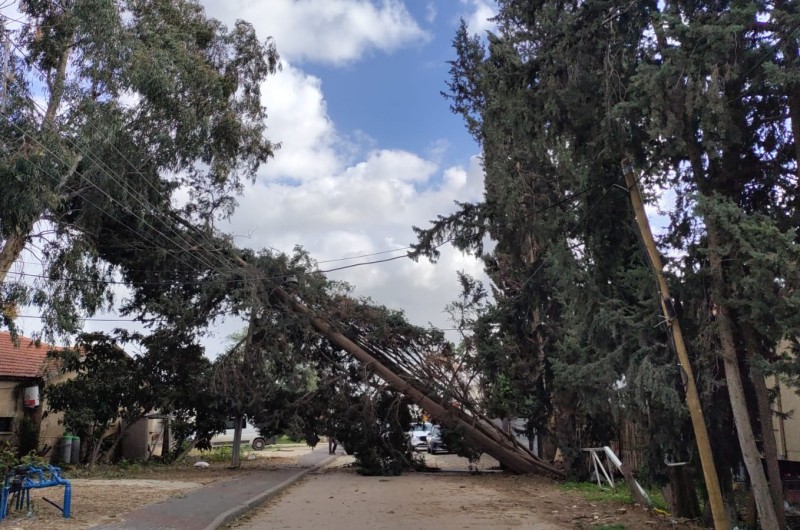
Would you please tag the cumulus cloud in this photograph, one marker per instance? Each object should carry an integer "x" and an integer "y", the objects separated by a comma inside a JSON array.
[
  {"x": 298, "y": 119},
  {"x": 339, "y": 200},
  {"x": 335, "y": 32},
  {"x": 477, "y": 18}
]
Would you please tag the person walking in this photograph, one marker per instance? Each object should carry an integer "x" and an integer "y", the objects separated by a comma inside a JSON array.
[{"x": 332, "y": 444}]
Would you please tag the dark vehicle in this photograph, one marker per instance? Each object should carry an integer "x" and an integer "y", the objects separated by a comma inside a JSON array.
[{"x": 436, "y": 442}]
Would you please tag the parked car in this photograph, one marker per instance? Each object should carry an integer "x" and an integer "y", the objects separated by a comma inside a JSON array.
[
  {"x": 436, "y": 442},
  {"x": 418, "y": 436},
  {"x": 250, "y": 436}
]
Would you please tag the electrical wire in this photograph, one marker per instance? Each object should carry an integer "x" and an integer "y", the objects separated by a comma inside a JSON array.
[
  {"x": 108, "y": 173},
  {"x": 106, "y": 212}
]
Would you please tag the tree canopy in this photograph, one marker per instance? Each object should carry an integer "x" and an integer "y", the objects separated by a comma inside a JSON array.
[{"x": 702, "y": 96}]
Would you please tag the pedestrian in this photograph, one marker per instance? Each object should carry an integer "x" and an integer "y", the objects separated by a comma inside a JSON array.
[{"x": 332, "y": 444}]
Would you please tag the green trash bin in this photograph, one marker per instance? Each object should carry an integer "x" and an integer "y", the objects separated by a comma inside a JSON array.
[
  {"x": 75, "y": 456},
  {"x": 66, "y": 448}
]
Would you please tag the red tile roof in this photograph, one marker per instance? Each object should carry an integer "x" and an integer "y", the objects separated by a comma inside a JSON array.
[{"x": 23, "y": 361}]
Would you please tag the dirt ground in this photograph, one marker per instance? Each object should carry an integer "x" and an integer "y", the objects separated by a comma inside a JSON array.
[
  {"x": 452, "y": 498},
  {"x": 337, "y": 497},
  {"x": 98, "y": 501}
]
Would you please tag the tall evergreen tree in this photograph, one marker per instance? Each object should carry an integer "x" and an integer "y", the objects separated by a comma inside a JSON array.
[{"x": 703, "y": 96}]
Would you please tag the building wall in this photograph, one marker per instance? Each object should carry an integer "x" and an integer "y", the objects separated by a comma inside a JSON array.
[
  {"x": 787, "y": 430},
  {"x": 10, "y": 407},
  {"x": 143, "y": 439},
  {"x": 51, "y": 428}
]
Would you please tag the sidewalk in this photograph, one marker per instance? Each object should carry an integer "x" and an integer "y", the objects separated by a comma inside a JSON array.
[{"x": 217, "y": 504}]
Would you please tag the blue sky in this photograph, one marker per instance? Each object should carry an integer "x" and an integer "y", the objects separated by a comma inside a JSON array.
[
  {"x": 369, "y": 145},
  {"x": 395, "y": 97}
]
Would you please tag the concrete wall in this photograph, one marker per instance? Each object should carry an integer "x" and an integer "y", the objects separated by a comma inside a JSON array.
[
  {"x": 787, "y": 431},
  {"x": 10, "y": 407},
  {"x": 51, "y": 429},
  {"x": 143, "y": 439}
]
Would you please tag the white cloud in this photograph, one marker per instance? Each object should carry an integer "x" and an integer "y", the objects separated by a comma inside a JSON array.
[
  {"x": 336, "y": 32},
  {"x": 430, "y": 13},
  {"x": 478, "y": 17},
  {"x": 298, "y": 119},
  {"x": 320, "y": 193}
]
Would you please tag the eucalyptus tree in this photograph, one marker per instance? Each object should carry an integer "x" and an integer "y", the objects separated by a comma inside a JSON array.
[{"x": 141, "y": 98}]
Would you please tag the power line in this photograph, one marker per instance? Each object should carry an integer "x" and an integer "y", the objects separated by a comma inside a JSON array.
[
  {"x": 93, "y": 319},
  {"x": 109, "y": 174},
  {"x": 106, "y": 212}
]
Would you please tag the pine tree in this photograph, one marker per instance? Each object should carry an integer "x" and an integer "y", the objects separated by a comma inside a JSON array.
[{"x": 703, "y": 96}]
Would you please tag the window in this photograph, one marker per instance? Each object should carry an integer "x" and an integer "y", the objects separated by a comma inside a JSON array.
[{"x": 6, "y": 424}]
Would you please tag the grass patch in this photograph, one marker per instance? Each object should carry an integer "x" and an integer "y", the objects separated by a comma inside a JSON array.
[
  {"x": 594, "y": 493},
  {"x": 609, "y": 527}
]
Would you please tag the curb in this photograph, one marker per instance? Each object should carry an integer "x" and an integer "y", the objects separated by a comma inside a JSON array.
[{"x": 251, "y": 504}]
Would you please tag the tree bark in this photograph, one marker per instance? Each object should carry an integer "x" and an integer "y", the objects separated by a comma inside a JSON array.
[
  {"x": 185, "y": 452},
  {"x": 506, "y": 451},
  {"x": 768, "y": 441},
  {"x": 11, "y": 250},
  {"x": 733, "y": 377},
  {"x": 122, "y": 432},
  {"x": 237, "y": 441}
]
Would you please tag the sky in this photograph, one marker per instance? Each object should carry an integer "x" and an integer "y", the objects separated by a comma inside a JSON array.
[{"x": 369, "y": 147}]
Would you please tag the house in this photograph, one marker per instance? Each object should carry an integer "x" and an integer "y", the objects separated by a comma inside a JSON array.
[
  {"x": 786, "y": 423},
  {"x": 25, "y": 370}
]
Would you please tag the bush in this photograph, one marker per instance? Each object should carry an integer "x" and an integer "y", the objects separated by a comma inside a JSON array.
[{"x": 10, "y": 458}]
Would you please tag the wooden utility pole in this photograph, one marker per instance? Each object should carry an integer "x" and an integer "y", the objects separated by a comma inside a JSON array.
[
  {"x": 721, "y": 521},
  {"x": 485, "y": 437}
]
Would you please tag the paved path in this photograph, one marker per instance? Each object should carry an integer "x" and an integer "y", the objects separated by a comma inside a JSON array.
[{"x": 219, "y": 503}]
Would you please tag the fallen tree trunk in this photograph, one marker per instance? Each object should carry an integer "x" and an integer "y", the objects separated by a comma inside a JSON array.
[{"x": 479, "y": 431}]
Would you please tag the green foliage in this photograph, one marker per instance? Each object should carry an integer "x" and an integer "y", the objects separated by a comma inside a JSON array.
[
  {"x": 109, "y": 386},
  {"x": 150, "y": 97},
  {"x": 594, "y": 493},
  {"x": 574, "y": 341},
  {"x": 374, "y": 430},
  {"x": 217, "y": 454},
  {"x": 456, "y": 442},
  {"x": 27, "y": 436},
  {"x": 10, "y": 457}
]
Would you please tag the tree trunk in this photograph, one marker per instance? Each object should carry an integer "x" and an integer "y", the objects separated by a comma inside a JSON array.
[
  {"x": 237, "y": 441},
  {"x": 768, "y": 441},
  {"x": 122, "y": 432},
  {"x": 185, "y": 452},
  {"x": 13, "y": 246},
  {"x": 506, "y": 451},
  {"x": 733, "y": 377},
  {"x": 683, "y": 502},
  {"x": 11, "y": 250},
  {"x": 165, "y": 442}
]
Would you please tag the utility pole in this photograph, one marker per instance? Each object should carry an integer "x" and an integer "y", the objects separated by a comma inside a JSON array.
[{"x": 721, "y": 521}]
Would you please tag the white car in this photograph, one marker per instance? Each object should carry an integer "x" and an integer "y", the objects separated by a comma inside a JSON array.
[
  {"x": 250, "y": 436},
  {"x": 418, "y": 436}
]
